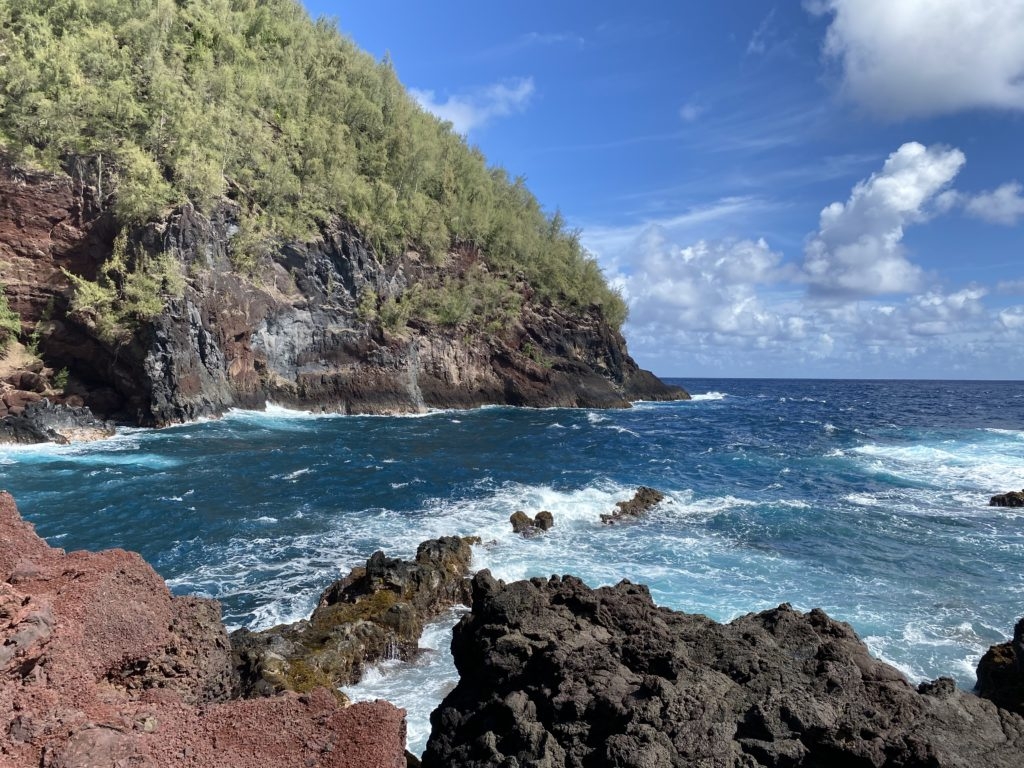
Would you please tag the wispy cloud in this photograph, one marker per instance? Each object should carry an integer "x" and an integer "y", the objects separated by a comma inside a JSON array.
[
  {"x": 532, "y": 40},
  {"x": 691, "y": 110},
  {"x": 475, "y": 108},
  {"x": 759, "y": 41}
]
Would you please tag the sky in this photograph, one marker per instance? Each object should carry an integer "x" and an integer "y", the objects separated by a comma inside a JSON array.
[{"x": 832, "y": 188}]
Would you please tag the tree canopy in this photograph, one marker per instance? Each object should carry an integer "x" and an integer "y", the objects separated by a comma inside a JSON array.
[{"x": 168, "y": 100}]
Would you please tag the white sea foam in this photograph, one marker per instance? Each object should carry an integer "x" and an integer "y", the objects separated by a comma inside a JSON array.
[
  {"x": 960, "y": 465},
  {"x": 417, "y": 686},
  {"x": 700, "y": 397}
]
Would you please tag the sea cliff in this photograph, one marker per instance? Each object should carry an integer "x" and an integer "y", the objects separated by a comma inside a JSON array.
[{"x": 297, "y": 330}]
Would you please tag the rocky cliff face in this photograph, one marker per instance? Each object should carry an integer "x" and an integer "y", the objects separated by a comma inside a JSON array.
[
  {"x": 101, "y": 666},
  {"x": 292, "y": 334},
  {"x": 554, "y": 673}
]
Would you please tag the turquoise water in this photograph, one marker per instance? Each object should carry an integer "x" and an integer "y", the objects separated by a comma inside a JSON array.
[{"x": 868, "y": 499}]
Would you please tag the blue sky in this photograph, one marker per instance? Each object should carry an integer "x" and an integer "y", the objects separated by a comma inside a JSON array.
[{"x": 830, "y": 188}]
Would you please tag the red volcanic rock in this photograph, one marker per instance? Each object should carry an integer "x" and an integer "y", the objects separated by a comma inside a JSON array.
[{"x": 101, "y": 666}]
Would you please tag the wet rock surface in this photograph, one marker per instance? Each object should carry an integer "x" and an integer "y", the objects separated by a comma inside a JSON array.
[
  {"x": 553, "y": 673},
  {"x": 1011, "y": 499},
  {"x": 528, "y": 527},
  {"x": 642, "y": 502},
  {"x": 375, "y": 613},
  {"x": 41, "y": 421},
  {"x": 1001, "y": 672},
  {"x": 101, "y": 666}
]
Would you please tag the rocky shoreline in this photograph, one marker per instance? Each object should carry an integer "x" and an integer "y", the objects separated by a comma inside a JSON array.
[{"x": 101, "y": 666}]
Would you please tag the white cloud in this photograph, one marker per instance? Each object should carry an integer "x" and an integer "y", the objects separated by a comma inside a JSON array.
[
  {"x": 690, "y": 111},
  {"x": 1003, "y": 205},
  {"x": 472, "y": 110},
  {"x": 1012, "y": 318},
  {"x": 911, "y": 58},
  {"x": 858, "y": 249}
]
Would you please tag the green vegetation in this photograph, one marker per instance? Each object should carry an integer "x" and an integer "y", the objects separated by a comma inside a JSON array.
[
  {"x": 10, "y": 323},
  {"x": 167, "y": 100},
  {"x": 131, "y": 287}
]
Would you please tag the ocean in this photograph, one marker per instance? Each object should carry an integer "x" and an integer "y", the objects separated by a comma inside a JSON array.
[{"x": 868, "y": 499}]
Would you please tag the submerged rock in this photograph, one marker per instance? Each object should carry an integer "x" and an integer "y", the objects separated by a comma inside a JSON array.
[
  {"x": 1001, "y": 672},
  {"x": 643, "y": 500},
  {"x": 375, "y": 613},
  {"x": 40, "y": 421},
  {"x": 101, "y": 666},
  {"x": 1011, "y": 499},
  {"x": 554, "y": 673}
]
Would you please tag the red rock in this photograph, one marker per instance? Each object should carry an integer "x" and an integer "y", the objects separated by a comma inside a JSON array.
[{"x": 101, "y": 666}]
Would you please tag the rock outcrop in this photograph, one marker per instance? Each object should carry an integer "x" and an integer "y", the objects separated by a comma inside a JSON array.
[
  {"x": 375, "y": 613},
  {"x": 40, "y": 421},
  {"x": 642, "y": 502},
  {"x": 1001, "y": 672},
  {"x": 294, "y": 333},
  {"x": 1010, "y": 499},
  {"x": 528, "y": 527},
  {"x": 556, "y": 674},
  {"x": 101, "y": 666}
]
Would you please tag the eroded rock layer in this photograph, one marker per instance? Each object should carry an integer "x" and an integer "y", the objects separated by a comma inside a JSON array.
[
  {"x": 101, "y": 666},
  {"x": 553, "y": 673}
]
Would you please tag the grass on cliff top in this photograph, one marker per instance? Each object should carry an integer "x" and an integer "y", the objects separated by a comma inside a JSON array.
[{"x": 168, "y": 100}]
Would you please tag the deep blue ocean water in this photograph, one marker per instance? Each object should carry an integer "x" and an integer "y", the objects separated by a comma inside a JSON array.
[{"x": 865, "y": 498}]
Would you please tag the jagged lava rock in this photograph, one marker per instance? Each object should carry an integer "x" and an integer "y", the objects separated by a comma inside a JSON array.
[
  {"x": 643, "y": 500},
  {"x": 101, "y": 666},
  {"x": 1011, "y": 499},
  {"x": 544, "y": 520},
  {"x": 1001, "y": 672},
  {"x": 374, "y": 613},
  {"x": 553, "y": 673}
]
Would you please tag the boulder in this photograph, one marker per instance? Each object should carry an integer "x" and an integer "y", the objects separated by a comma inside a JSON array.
[
  {"x": 42, "y": 421},
  {"x": 101, "y": 666},
  {"x": 553, "y": 673},
  {"x": 375, "y": 613},
  {"x": 1001, "y": 672},
  {"x": 1011, "y": 499},
  {"x": 544, "y": 520},
  {"x": 643, "y": 500},
  {"x": 520, "y": 522}
]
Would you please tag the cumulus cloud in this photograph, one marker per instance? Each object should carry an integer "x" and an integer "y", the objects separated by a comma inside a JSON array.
[
  {"x": 916, "y": 58},
  {"x": 858, "y": 248},
  {"x": 472, "y": 110},
  {"x": 1003, "y": 205}
]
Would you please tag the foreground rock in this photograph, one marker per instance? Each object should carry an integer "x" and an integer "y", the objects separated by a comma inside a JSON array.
[
  {"x": 642, "y": 502},
  {"x": 41, "y": 421},
  {"x": 1001, "y": 672},
  {"x": 1011, "y": 499},
  {"x": 555, "y": 674},
  {"x": 375, "y": 613},
  {"x": 101, "y": 666}
]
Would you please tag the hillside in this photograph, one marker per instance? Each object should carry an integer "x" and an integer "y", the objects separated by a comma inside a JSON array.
[{"x": 216, "y": 202}]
